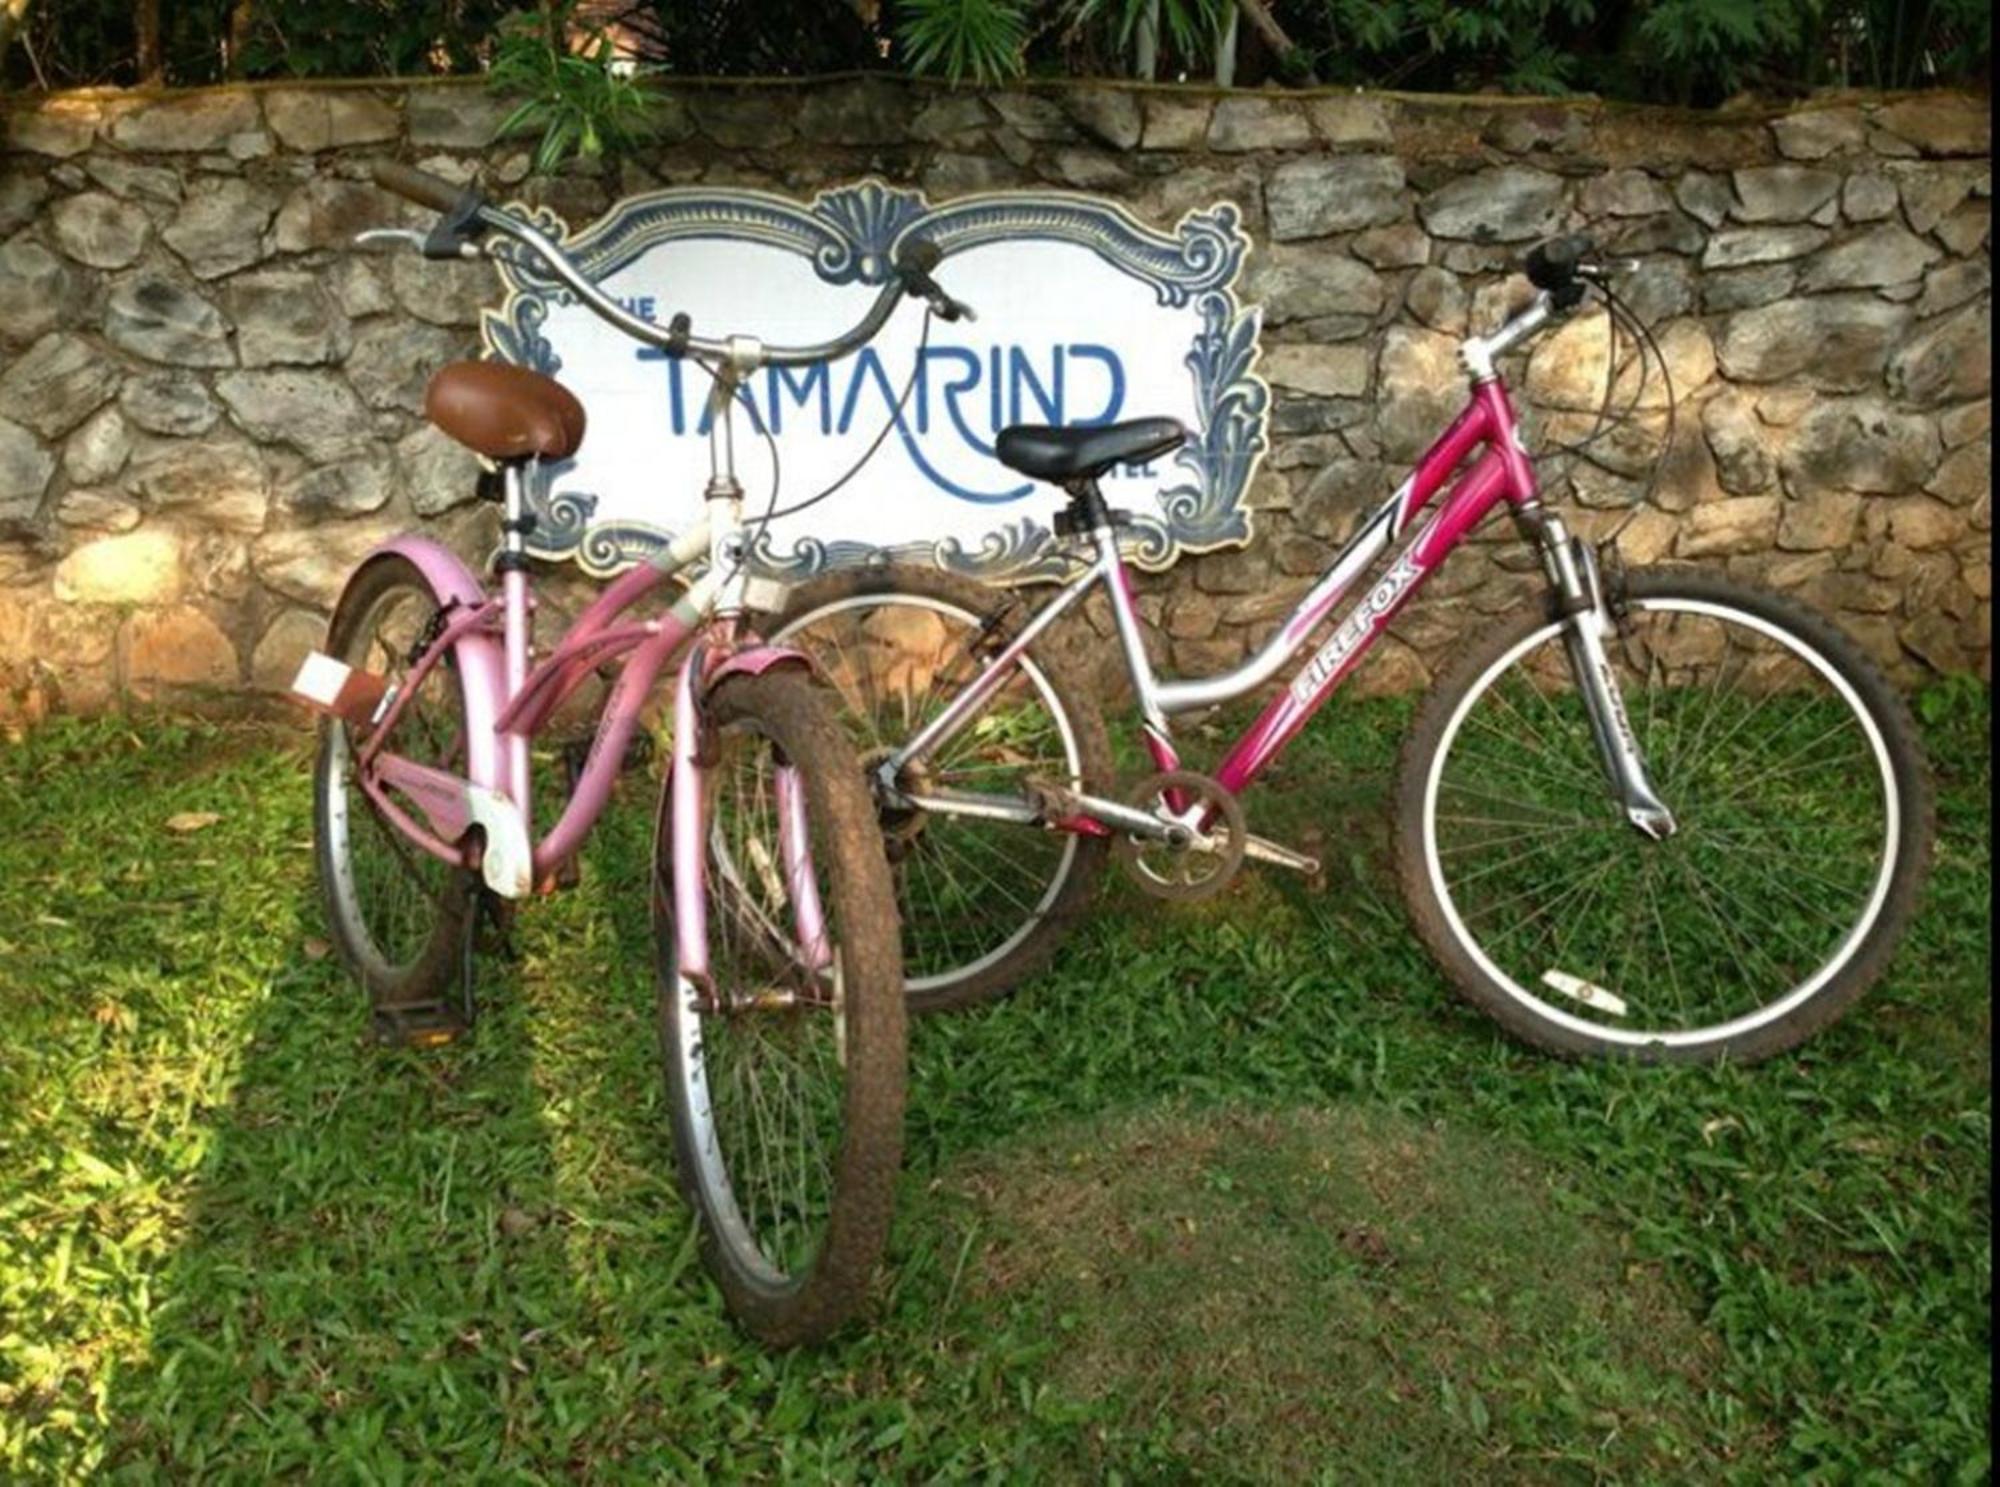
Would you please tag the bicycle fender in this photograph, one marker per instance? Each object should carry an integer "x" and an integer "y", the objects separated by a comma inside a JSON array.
[
  {"x": 445, "y": 570},
  {"x": 755, "y": 661},
  {"x": 482, "y": 668}
]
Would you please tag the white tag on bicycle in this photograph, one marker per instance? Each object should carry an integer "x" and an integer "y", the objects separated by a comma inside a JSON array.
[
  {"x": 1577, "y": 989},
  {"x": 320, "y": 678}
]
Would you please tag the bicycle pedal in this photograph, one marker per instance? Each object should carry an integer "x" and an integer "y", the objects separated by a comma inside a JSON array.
[{"x": 418, "y": 1025}]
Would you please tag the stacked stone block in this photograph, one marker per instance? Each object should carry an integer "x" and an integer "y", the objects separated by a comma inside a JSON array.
[{"x": 209, "y": 404}]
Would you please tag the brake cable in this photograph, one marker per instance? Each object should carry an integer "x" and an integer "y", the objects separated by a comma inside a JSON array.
[
  {"x": 1618, "y": 314},
  {"x": 1646, "y": 348},
  {"x": 1617, "y": 306},
  {"x": 757, "y": 526},
  {"x": 1606, "y": 422}
]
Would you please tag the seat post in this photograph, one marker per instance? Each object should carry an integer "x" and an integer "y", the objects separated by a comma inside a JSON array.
[
  {"x": 1086, "y": 504},
  {"x": 515, "y": 524},
  {"x": 514, "y": 506},
  {"x": 1089, "y": 512}
]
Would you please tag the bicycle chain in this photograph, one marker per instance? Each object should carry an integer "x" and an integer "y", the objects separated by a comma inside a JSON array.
[{"x": 433, "y": 628}]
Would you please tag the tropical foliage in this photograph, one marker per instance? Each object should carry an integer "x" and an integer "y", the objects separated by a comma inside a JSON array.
[
  {"x": 1670, "y": 50},
  {"x": 583, "y": 103}
]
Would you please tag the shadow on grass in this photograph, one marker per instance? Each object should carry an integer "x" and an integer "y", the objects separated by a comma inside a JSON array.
[
  {"x": 1311, "y": 1294},
  {"x": 440, "y": 1256},
  {"x": 235, "y": 1238}
]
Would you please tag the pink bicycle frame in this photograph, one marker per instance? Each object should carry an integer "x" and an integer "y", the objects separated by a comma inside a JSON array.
[
  {"x": 507, "y": 701},
  {"x": 1501, "y": 472}
]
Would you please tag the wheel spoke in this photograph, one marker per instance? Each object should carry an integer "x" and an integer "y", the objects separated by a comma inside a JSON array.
[
  {"x": 971, "y": 891},
  {"x": 390, "y": 896}
]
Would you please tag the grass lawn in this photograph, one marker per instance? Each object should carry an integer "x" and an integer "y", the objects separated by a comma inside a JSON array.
[{"x": 1238, "y": 1190}]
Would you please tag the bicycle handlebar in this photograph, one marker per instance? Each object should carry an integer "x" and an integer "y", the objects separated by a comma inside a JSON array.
[
  {"x": 1563, "y": 265},
  {"x": 1556, "y": 267},
  {"x": 468, "y": 215},
  {"x": 914, "y": 262},
  {"x": 420, "y": 186},
  {"x": 1557, "y": 262}
]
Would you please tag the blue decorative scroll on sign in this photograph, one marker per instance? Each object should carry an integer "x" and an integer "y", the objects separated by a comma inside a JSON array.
[{"x": 1086, "y": 316}]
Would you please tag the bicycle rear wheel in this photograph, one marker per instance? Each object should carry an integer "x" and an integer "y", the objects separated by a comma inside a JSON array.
[
  {"x": 785, "y": 1062},
  {"x": 1804, "y": 826},
  {"x": 984, "y": 903},
  {"x": 397, "y": 915}
]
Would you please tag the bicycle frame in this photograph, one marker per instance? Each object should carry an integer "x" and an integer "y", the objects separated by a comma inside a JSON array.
[
  {"x": 514, "y": 703},
  {"x": 508, "y": 701},
  {"x": 1486, "y": 433}
]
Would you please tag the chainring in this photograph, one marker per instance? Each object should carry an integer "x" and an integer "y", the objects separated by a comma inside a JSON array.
[{"x": 1200, "y": 868}]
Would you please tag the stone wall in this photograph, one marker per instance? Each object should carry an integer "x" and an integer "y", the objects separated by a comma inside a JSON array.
[{"x": 209, "y": 405}]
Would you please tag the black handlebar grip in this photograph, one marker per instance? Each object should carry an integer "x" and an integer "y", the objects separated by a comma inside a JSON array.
[
  {"x": 918, "y": 256},
  {"x": 1552, "y": 264},
  {"x": 419, "y": 186}
]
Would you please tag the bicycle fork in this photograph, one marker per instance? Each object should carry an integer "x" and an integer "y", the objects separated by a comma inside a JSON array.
[{"x": 1587, "y": 622}]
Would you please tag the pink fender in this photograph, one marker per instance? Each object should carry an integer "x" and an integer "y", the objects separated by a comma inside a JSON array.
[
  {"x": 756, "y": 660},
  {"x": 482, "y": 661}
]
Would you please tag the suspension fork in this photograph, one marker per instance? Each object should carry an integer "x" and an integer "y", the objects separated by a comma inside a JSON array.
[{"x": 1587, "y": 623}]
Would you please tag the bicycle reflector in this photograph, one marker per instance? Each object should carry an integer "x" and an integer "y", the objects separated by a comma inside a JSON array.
[{"x": 328, "y": 686}]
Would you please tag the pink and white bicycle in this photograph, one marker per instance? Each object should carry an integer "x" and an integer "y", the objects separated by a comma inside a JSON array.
[
  {"x": 1658, "y": 812},
  {"x": 780, "y": 977}
]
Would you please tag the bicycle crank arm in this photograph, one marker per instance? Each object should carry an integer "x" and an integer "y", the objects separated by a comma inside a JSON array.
[
  {"x": 1574, "y": 568},
  {"x": 1263, "y": 849}
]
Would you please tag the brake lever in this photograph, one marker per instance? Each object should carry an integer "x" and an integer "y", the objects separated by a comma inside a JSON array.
[
  {"x": 456, "y": 234},
  {"x": 408, "y": 236},
  {"x": 1602, "y": 269},
  {"x": 948, "y": 308}
]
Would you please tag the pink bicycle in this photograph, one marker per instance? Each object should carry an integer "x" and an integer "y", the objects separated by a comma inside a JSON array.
[
  {"x": 1660, "y": 812},
  {"x": 780, "y": 976}
]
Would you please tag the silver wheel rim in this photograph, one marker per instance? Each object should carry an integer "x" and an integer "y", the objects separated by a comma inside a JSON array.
[
  {"x": 711, "y": 1172},
  {"x": 345, "y": 889},
  {"x": 1765, "y": 1014},
  {"x": 1072, "y": 757}
]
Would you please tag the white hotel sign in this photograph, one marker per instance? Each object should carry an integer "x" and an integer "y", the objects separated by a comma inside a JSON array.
[{"x": 1085, "y": 316}]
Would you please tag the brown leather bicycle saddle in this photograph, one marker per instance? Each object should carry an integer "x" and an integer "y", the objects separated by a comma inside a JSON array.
[
  {"x": 1085, "y": 452},
  {"x": 505, "y": 412}
]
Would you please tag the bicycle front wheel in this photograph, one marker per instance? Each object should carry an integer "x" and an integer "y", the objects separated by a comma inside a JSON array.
[
  {"x": 784, "y": 1056},
  {"x": 1803, "y": 828}
]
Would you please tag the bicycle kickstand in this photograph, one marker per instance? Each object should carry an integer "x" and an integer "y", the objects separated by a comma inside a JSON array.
[{"x": 485, "y": 912}]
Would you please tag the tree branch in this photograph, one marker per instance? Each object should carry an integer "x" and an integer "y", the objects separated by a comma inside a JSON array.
[
  {"x": 146, "y": 26},
  {"x": 1266, "y": 25},
  {"x": 13, "y": 13}
]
